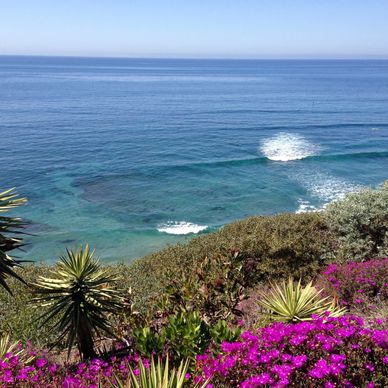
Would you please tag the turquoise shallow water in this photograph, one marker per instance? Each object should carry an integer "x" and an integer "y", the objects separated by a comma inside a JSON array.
[{"x": 130, "y": 155}]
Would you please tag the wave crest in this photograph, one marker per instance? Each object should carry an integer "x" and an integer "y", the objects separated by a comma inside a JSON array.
[
  {"x": 305, "y": 206},
  {"x": 284, "y": 147},
  {"x": 181, "y": 227}
]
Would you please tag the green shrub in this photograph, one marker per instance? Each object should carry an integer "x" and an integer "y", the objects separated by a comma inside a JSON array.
[
  {"x": 184, "y": 335},
  {"x": 221, "y": 332},
  {"x": 148, "y": 340},
  {"x": 273, "y": 247},
  {"x": 214, "y": 288},
  {"x": 360, "y": 221},
  {"x": 18, "y": 316}
]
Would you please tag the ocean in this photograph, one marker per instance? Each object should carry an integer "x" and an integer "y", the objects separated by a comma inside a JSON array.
[{"x": 130, "y": 155}]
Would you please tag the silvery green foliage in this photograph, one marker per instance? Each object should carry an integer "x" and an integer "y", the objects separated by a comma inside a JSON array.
[{"x": 361, "y": 222}]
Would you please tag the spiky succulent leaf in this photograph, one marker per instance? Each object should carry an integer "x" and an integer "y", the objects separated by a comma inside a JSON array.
[
  {"x": 79, "y": 296},
  {"x": 10, "y": 230},
  {"x": 14, "y": 349},
  {"x": 290, "y": 302},
  {"x": 160, "y": 375}
]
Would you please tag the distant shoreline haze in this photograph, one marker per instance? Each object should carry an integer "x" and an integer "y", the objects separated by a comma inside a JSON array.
[{"x": 205, "y": 58}]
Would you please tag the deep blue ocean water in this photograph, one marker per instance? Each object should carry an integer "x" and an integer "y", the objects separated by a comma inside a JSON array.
[{"x": 130, "y": 154}]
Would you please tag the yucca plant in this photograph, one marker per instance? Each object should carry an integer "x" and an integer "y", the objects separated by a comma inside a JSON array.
[
  {"x": 79, "y": 298},
  {"x": 291, "y": 302},
  {"x": 157, "y": 375},
  {"x": 10, "y": 230}
]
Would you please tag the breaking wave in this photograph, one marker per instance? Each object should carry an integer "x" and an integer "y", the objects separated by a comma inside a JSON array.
[
  {"x": 284, "y": 147},
  {"x": 305, "y": 206},
  {"x": 181, "y": 227}
]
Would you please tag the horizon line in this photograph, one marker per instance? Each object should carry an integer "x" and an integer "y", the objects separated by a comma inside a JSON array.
[{"x": 204, "y": 57}]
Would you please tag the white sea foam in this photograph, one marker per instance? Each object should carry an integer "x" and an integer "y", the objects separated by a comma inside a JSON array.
[
  {"x": 284, "y": 147},
  {"x": 305, "y": 206},
  {"x": 325, "y": 188},
  {"x": 329, "y": 188},
  {"x": 181, "y": 227}
]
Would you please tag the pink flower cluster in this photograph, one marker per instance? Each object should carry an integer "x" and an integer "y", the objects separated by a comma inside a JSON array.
[
  {"x": 325, "y": 352},
  {"x": 15, "y": 373},
  {"x": 357, "y": 284}
]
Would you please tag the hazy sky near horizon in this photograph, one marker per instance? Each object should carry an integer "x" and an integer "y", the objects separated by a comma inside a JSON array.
[{"x": 196, "y": 28}]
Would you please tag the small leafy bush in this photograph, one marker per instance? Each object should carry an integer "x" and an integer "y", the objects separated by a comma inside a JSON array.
[
  {"x": 360, "y": 222},
  {"x": 221, "y": 332},
  {"x": 362, "y": 286},
  {"x": 324, "y": 352},
  {"x": 148, "y": 341},
  {"x": 184, "y": 336},
  {"x": 291, "y": 302},
  {"x": 214, "y": 289}
]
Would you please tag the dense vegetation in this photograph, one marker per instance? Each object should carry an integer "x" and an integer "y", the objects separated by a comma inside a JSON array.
[{"x": 189, "y": 303}]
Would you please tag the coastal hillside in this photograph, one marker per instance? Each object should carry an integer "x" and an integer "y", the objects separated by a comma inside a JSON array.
[{"x": 270, "y": 247}]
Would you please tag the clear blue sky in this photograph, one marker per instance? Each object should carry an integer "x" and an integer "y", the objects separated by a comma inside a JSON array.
[{"x": 196, "y": 28}]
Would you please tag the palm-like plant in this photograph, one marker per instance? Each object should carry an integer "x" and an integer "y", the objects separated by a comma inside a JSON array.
[
  {"x": 290, "y": 302},
  {"x": 79, "y": 297},
  {"x": 10, "y": 230}
]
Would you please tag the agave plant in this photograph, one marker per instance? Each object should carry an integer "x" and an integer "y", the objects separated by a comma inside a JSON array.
[
  {"x": 157, "y": 375},
  {"x": 10, "y": 229},
  {"x": 290, "y": 302},
  {"x": 79, "y": 298},
  {"x": 14, "y": 349}
]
